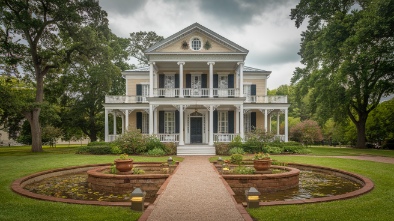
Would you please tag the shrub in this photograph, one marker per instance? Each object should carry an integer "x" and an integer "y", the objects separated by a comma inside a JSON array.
[
  {"x": 99, "y": 143},
  {"x": 132, "y": 142},
  {"x": 296, "y": 149},
  {"x": 138, "y": 171},
  {"x": 157, "y": 151},
  {"x": 115, "y": 150},
  {"x": 257, "y": 139},
  {"x": 170, "y": 148},
  {"x": 153, "y": 142},
  {"x": 236, "y": 159},
  {"x": 221, "y": 148},
  {"x": 274, "y": 150},
  {"x": 96, "y": 150},
  {"x": 388, "y": 144},
  {"x": 236, "y": 142},
  {"x": 244, "y": 170},
  {"x": 236, "y": 150}
]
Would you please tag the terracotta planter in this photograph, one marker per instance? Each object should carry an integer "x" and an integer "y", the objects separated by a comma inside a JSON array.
[
  {"x": 124, "y": 165},
  {"x": 261, "y": 165}
]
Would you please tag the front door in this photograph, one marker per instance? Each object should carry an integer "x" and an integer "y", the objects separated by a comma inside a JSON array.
[{"x": 196, "y": 130}]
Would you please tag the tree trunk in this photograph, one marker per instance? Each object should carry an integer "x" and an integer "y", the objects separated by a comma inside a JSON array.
[
  {"x": 35, "y": 127},
  {"x": 361, "y": 138}
]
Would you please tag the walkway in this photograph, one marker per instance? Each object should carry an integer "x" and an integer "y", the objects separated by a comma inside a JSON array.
[{"x": 195, "y": 192}]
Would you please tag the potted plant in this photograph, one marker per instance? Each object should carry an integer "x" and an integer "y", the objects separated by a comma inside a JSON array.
[
  {"x": 261, "y": 161},
  {"x": 124, "y": 163}
]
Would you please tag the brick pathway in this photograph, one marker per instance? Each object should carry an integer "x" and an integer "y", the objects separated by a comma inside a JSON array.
[{"x": 195, "y": 192}]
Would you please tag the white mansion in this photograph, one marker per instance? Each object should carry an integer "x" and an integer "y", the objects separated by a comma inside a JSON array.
[{"x": 196, "y": 90}]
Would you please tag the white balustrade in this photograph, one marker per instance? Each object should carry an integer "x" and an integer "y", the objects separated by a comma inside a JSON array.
[
  {"x": 125, "y": 99},
  {"x": 168, "y": 137},
  {"x": 222, "y": 137}
]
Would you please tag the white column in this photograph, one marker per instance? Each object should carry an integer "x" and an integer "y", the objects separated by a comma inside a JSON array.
[
  {"x": 106, "y": 125},
  {"x": 210, "y": 125},
  {"x": 150, "y": 119},
  {"x": 114, "y": 123},
  {"x": 241, "y": 121},
  {"x": 265, "y": 120},
  {"x": 151, "y": 78},
  {"x": 211, "y": 78},
  {"x": 181, "y": 141},
  {"x": 241, "y": 79},
  {"x": 127, "y": 119},
  {"x": 237, "y": 120},
  {"x": 181, "y": 78},
  {"x": 286, "y": 127},
  {"x": 277, "y": 124},
  {"x": 123, "y": 124}
]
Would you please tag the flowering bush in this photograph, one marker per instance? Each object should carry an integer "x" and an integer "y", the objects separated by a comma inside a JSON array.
[
  {"x": 132, "y": 142},
  {"x": 261, "y": 156}
]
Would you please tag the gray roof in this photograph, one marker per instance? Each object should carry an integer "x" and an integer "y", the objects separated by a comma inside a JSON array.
[
  {"x": 192, "y": 27},
  {"x": 246, "y": 69},
  {"x": 140, "y": 69}
]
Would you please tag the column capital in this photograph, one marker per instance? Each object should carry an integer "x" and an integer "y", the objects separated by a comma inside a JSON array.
[
  {"x": 211, "y": 63},
  {"x": 151, "y": 63},
  {"x": 181, "y": 63},
  {"x": 241, "y": 62}
]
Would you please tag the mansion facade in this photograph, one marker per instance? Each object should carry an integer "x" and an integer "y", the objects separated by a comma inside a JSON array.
[{"x": 196, "y": 90}]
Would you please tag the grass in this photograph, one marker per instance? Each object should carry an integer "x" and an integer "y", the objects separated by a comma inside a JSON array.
[
  {"x": 16, "y": 162},
  {"x": 376, "y": 205},
  {"x": 344, "y": 151}
]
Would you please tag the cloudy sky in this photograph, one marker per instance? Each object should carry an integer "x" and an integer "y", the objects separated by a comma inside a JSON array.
[{"x": 261, "y": 26}]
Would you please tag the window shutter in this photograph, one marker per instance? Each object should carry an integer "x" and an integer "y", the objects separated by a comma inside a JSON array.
[
  {"x": 161, "y": 122},
  {"x": 177, "y": 120},
  {"x": 204, "y": 81},
  {"x": 253, "y": 120},
  {"x": 253, "y": 89},
  {"x": 188, "y": 80},
  {"x": 139, "y": 90},
  {"x": 230, "y": 81},
  {"x": 215, "y": 81},
  {"x": 230, "y": 122},
  {"x": 161, "y": 80},
  {"x": 215, "y": 121},
  {"x": 139, "y": 121},
  {"x": 176, "y": 80}
]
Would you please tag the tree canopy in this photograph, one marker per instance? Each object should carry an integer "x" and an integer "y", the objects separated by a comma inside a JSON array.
[{"x": 347, "y": 51}]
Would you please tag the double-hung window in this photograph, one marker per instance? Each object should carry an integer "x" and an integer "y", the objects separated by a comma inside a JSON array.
[
  {"x": 169, "y": 122},
  {"x": 223, "y": 122},
  {"x": 223, "y": 85},
  {"x": 145, "y": 123}
]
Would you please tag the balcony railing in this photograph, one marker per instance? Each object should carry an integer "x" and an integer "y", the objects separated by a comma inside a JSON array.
[
  {"x": 220, "y": 137},
  {"x": 125, "y": 99},
  {"x": 188, "y": 92},
  {"x": 168, "y": 137}
]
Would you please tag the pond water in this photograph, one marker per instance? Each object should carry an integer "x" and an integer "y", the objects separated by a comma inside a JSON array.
[{"x": 311, "y": 185}]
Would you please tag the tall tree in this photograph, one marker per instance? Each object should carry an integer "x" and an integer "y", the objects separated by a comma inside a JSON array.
[
  {"x": 347, "y": 51},
  {"x": 39, "y": 36},
  {"x": 140, "y": 41}
]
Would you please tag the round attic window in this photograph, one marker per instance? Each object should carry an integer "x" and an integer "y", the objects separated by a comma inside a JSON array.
[{"x": 196, "y": 44}]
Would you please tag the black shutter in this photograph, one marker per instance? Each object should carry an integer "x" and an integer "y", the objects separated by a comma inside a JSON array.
[
  {"x": 188, "y": 80},
  {"x": 230, "y": 81},
  {"x": 177, "y": 120},
  {"x": 161, "y": 122},
  {"x": 139, "y": 90},
  {"x": 215, "y": 121},
  {"x": 139, "y": 121},
  {"x": 231, "y": 122},
  {"x": 253, "y": 120},
  {"x": 176, "y": 80},
  {"x": 253, "y": 89},
  {"x": 215, "y": 81},
  {"x": 204, "y": 80},
  {"x": 161, "y": 80}
]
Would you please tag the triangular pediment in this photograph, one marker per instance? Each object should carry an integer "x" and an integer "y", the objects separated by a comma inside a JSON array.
[{"x": 182, "y": 42}]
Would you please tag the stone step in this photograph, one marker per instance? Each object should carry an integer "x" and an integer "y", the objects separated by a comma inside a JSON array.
[{"x": 196, "y": 150}]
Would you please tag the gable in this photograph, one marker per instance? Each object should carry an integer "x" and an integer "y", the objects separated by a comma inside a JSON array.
[
  {"x": 176, "y": 46},
  {"x": 218, "y": 43}
]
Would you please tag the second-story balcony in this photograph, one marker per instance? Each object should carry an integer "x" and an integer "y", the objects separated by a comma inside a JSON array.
[{"x": 195, "y": 93}]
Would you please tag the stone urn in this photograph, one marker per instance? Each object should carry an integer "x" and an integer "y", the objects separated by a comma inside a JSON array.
[
  {"x": 124, "y": 165},
  {"x": 261, "y": 165}
]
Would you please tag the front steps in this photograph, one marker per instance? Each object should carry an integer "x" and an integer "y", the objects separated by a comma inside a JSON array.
[{"x": 196, "y": 150}]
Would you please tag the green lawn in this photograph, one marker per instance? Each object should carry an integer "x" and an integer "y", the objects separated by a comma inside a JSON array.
[{"x": 16, "y": 162}]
